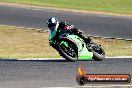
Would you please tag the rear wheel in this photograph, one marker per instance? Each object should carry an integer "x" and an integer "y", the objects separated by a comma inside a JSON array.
[{"x": 68, "y": 52}]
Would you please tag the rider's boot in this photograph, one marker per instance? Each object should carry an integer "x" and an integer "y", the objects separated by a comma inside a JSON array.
[
  {"x": 87, "y": 40},
  {"x": 88, "y": 43}
]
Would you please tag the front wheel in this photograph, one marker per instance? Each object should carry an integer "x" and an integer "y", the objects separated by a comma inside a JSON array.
[
  {"x": 68, "y": 52},
  {"x": 98, "y": 52}
]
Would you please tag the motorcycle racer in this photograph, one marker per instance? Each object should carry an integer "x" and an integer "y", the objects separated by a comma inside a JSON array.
[{"x": 71, "y": 44}]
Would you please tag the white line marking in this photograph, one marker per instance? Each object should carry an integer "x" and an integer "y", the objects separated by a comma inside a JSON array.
[
  {"x": 120, "y": 57},
  {"x": 42, "y": 59},
  {"x": 64, "y": 59},
  {"x": 105, "y": 86}
]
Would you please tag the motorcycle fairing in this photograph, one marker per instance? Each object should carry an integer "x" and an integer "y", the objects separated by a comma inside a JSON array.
[{"x": 83, "y": 53}]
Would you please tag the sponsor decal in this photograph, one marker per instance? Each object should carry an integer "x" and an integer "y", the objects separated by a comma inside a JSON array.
[{"x": 83, "y": 78}]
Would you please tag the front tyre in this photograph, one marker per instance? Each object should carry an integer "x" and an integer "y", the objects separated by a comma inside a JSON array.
[
  {"x": 70, "y": 52},
  {"x": 98, "y": 52}
]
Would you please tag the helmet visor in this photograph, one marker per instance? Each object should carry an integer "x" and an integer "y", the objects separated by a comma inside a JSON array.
[{"x": 51, "y": 25}]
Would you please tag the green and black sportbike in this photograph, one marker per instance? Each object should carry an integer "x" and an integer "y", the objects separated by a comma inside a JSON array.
[{"x": 73, "y": 48}]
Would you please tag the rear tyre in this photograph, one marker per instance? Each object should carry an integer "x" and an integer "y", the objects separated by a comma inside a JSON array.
[{"x": 70, "y": 52}]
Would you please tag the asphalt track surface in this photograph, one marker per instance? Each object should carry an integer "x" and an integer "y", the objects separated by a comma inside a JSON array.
[
  {"x": 97, "y": 25},
  {"x": 57, "y": 73}
]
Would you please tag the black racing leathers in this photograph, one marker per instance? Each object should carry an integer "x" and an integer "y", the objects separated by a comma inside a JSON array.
[{"x": 66, "y": 27}]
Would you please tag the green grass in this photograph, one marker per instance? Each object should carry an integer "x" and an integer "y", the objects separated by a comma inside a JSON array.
[
  {"x": 115, "y": 6},
  {"x": 24, "y": 43}
]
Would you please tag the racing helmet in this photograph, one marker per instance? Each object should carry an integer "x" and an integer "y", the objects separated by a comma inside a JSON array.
[{"x": 52, "y": 22}]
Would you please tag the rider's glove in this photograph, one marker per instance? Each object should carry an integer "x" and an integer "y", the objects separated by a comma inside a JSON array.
[
  {"x": 51, "y": 43},
  {"x": 80, "y": 32}
]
